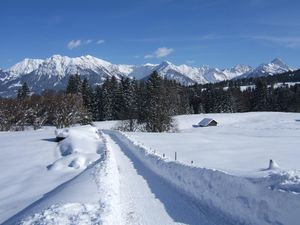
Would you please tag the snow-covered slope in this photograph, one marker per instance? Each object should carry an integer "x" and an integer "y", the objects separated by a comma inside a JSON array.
[
  {"x": 276, "y": 66},
  {"x": 183, "y": 74},
  {"x": 24, "y": 67},
  {"x": 2, "y": 75},
  {"x": 54, "y": 72},
  {"x": 237, "y": 71}
]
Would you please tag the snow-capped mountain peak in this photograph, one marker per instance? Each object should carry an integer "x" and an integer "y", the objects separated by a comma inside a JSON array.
[
  {"x": 58, "y": 65},
  {"x": 184, "y": 74},
  {"x": 241, "y": 68},
  {"x": 165, "y": 65},
  {"x": 24, "y": 67},
  {"x": 278, "y": 62},
  {"x": 276, "y": 66},
  {"x": 237, "y": 70}
]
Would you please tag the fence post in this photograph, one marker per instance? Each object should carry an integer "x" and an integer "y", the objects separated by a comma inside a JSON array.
[{"x": 175, "y": 156}]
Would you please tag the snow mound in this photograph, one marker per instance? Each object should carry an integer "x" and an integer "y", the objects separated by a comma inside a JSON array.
[
  {"x": 74, "y": 161},
  {"x": 61, "y": 133},
  {"x": 288, "y": 181},
  {"x": 232, "y": 197},
  {"x": 81, "y": 147}
]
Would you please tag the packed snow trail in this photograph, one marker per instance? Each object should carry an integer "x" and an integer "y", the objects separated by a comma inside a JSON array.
[{"x": 147, "y": 199}]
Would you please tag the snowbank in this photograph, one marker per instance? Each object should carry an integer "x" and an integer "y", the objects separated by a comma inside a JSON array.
[
  {"x": 81, "y": 146},
  {"x": 235, "y": 198},
  {"x": 278, "y": 179}
]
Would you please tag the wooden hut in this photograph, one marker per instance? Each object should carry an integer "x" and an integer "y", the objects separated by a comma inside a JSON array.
[{"x": 206, "y": 122}]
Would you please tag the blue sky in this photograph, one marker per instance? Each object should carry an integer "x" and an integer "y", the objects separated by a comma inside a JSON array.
[{"x": 219, "y": 33}]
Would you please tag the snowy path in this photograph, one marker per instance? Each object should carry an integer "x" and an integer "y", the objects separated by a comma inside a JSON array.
[{"x": 146, "y": 198}]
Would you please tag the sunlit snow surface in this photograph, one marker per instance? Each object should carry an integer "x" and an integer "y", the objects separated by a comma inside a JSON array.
[
  {"x": 32, "y": 163},
  {"x": 242, "y": 142},
  {"x": 115, "y": 178}
]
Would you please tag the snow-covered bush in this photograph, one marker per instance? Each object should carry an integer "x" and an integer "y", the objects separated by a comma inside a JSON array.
[
  {"x": 129, "y": 126},
  {"x": 135, "y": 126}
]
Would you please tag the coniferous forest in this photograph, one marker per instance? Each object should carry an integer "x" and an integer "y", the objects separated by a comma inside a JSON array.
[{"x": 145, "y": 105}]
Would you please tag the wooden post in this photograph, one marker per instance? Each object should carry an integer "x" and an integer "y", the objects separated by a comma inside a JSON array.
[
  {"x": 163, "y": 155},
  {"x": 175, "y": 156}
]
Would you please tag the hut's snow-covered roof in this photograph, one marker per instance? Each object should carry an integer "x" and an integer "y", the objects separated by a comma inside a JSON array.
[{"x": 205, "y": 122}]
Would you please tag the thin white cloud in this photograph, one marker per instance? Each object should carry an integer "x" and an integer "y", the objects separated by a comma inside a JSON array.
[
  {"x": 100, "y": 42},
  {"x": 74, "y": 44},
  {"x": 163, "y": 52},
  {"x": 160, "y": 53},
  {"x": 290, "y": 42},
  {"x": 149, "y": 56}
]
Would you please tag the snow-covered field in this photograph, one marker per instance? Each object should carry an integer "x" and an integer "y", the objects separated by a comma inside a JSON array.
[
  {"x": 242, "y": 142},
  {"x": 37, "y": 171},
  {"x": 24, "y": 178},
  {"x": 122, "y": 178}
]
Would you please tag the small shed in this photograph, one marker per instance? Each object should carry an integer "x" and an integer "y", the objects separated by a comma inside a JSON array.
[{"x": 206, "y": 122}]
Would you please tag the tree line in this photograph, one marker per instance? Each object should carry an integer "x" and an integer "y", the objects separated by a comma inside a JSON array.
[{"x": 141, "y": 105}]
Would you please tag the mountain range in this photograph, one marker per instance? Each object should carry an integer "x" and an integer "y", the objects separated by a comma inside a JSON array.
[{"x": 54, "y": 72}]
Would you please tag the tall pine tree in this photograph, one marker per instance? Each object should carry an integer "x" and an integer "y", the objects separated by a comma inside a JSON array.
[{"x": 158, "y": 117}]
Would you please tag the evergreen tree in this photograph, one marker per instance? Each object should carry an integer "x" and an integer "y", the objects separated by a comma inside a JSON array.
[
  {"x": 24, "y": 91},
  {"x": 74, "y": 85},
  {"x": 107, "y": 101},
  {"x": 141, "y": 97},
  {"x": 98, "y": 113},
  {"x": 128, "y": 103},
  {"x": 260, "y": 95},
  {"x": 87, "y": 95},
  {"x": 158, "y": 117},
  {"x": 116, "y": 97}
]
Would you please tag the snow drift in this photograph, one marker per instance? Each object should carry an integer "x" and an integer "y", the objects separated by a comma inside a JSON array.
[
  {"x": 80, "y": 148},
  {"x": 234, "y": 198}
]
